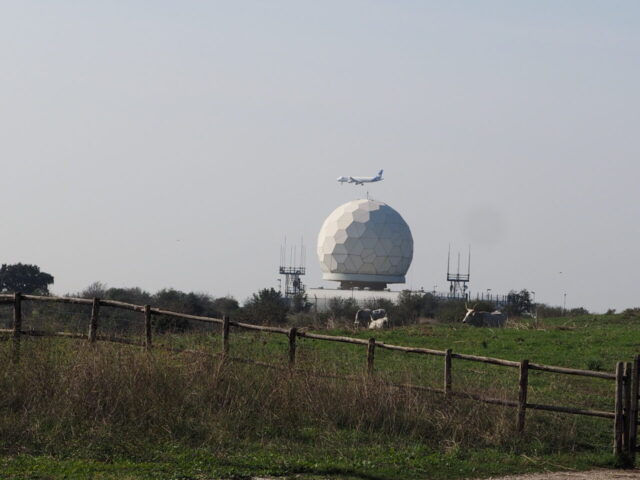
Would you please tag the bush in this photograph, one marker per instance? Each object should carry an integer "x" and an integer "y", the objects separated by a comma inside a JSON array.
[
  {"x": 430, "y": 304},
  {"x": 451, "y": 311},
  {"x": 631, "y": 313},
  {"x": 343, "y": 309},
  {"x": 268, "y": 306},
  {"x": 192, "y": 303},
  {"x": 299, "y": 303},
  {"x": 547, "y": 311},
  {"x": 410, "y": 306},
  {"x": 314, "y": 320},
  {"x": 225, "y": 306}
]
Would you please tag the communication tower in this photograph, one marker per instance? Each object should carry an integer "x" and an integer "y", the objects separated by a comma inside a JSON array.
[
  {"x": 293, "y": 269},
  {"x": 458, "y": 281}
]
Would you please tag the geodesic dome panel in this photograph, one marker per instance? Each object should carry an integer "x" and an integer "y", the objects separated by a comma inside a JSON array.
[{"x": 365, "y": 241}]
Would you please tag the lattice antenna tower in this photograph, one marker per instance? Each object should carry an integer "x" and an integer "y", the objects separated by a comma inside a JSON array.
[
  {"x": 458, "y": 281},
  {"x": 293, "y": 269}
]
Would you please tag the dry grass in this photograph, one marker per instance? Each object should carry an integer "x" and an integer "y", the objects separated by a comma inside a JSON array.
[{"x": 69, "y": 396}]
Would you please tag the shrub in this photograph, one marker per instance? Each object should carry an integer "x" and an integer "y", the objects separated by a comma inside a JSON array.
[
  {"x": 548, "y": 311},
  {"x": 451, "y": 311},
  {"x": 343, "y": 308},
  {"x": 268, "y": 306},
  {"x": 631, "y": 313}
]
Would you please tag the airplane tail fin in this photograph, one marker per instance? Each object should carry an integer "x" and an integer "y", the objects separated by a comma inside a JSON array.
[{"x": 380, "y": 173}]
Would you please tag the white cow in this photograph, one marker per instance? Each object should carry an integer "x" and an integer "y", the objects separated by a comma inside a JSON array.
[
  {"x": 380, "y": 323},
  {"x": 484, "y": 319},
  {"x": 371, "y": 319}
]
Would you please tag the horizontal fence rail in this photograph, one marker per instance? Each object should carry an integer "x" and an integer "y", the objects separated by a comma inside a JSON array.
[{"x": 626, "y": 377}]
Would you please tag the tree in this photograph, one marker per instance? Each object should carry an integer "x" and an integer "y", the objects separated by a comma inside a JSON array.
[
  {"x": 192, "y": 303},
  {"x": 130, "y": 295},
  {"x": 546, "y": 311},
  {"x": 299, "y": 303},
  {"x": 267, "y": 306},
  {"x": 518, "y": 302},
  {"x": 409, "y": 307},
  {"x": 225, "y": 305},
  {"x": 451, "y": 311},
  {"x": 429, "y": 305},
  {"x": 24, "y": 278},
  {"x": 95, "y": 290},
  {"x": 344, "y": 308}
]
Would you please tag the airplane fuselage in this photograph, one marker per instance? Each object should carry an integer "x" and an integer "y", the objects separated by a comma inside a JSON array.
[{"x": 361, "y": 180}]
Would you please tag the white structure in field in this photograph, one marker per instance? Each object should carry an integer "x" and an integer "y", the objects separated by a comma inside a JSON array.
[{"x": 365, "y": 244}]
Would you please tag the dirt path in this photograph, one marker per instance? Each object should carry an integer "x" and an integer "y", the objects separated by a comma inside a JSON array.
[{"x": 588, "y": 475}]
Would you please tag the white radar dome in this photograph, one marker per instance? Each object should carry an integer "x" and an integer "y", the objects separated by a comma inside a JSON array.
[{"x": 365, "y": 243}]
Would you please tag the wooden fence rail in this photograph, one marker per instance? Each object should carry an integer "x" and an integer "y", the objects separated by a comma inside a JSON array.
[{"x": 626, "y": 376}]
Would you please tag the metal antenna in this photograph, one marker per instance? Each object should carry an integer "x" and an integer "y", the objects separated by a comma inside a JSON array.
[
  {"x": 292, "y": 271},
  {"x": 458, "y": 281}
]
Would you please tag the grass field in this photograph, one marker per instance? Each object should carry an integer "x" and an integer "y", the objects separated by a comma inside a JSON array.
[{"x": 73, "y": 411}]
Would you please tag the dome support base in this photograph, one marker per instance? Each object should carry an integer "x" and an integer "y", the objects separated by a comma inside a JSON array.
[{"x": 348, "y": 285}]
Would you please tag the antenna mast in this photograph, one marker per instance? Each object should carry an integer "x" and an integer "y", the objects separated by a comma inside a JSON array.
[
  {"x": 292, "y": 271},
  {"x": 458, "y": 281}
]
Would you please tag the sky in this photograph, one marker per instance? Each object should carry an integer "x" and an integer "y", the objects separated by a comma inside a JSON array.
[{"x": 176, "y": 144}]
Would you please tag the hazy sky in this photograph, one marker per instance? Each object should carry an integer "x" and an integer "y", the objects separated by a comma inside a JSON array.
[{"x": 175, "y": 144}]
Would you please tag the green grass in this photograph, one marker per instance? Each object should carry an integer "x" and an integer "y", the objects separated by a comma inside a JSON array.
[
  {"x": 368, "y": 462},
  {"x": 587, "y": 342},
  {"x": 238, "y": 444}
]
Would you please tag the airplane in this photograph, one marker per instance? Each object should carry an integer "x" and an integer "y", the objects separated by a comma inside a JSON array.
[{"x": 361, "y": 180}]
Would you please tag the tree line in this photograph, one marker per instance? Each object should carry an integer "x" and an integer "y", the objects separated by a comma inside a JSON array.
[{"x": 268, "y": 305}]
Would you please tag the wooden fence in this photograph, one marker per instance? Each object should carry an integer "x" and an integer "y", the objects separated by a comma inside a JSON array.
[{"x": 625, "y": 377}]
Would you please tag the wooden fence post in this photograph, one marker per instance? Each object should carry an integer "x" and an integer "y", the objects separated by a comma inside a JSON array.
[
  {"x": 225, "y": 334},
  {"x": 523, "y": 385},
  {"x": 626, "y": 404},
  {"x": 93, "y": 324},
  {"x": 17, "y": 325},
  {"x": 292, "y": 345},
  {"x": 147, "y": 327},
  {"x": 447, "y": 371},
  {"x": 618, "y": 426},
  {"x": 633, "y": 410},
  {"x": 371, "y": 351}
]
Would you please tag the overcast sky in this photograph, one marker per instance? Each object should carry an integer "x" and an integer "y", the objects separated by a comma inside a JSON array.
[{"x": 175, "y": 144}]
